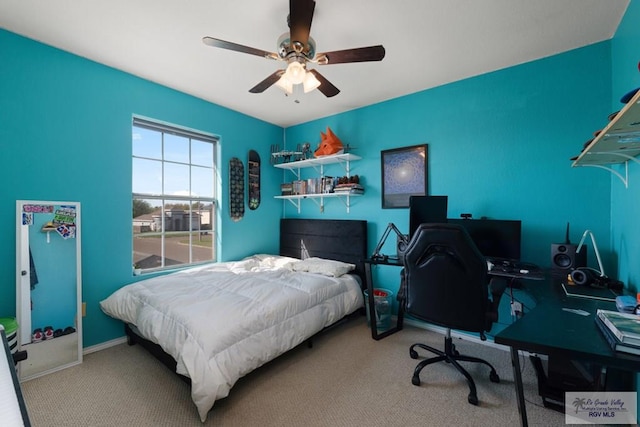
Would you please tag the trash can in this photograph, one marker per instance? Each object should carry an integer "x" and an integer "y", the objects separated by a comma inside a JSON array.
[
  {"x": 11, "y": 331},
  {"x": 383, "y": 303}
]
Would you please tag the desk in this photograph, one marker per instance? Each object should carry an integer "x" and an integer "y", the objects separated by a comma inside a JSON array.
[
  {"x": 550, "y": 330},
  {"x": 395, "y": 262}
]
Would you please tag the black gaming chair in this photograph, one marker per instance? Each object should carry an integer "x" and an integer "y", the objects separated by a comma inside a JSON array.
[{"x": 445, "y": 283}]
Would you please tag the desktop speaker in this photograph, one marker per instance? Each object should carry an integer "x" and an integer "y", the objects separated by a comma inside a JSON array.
[
  {"x": 402, "y": 245},
  {"x": 565, "y": 258}
]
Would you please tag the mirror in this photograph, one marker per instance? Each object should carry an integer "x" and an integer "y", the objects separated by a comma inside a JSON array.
[{"x": 48, "y": 286}]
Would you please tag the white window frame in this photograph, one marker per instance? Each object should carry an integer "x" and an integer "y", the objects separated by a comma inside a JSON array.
[{"x": 189, "y": 199}]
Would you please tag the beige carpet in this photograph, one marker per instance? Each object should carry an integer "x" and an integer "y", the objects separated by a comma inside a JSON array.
[{"x": 346, "y": 379}]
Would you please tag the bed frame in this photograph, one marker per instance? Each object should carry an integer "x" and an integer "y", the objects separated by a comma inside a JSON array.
[{"x": 341, "y": 240}]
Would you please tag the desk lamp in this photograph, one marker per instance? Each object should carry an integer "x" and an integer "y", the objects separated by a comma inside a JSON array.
[
  {"x": 586, "y": 276},
  {"x": 402, "y": 240},
  {"x": 595, "y": 249}
]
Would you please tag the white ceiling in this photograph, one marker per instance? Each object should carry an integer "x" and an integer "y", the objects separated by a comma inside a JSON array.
[{"x": 428, "y": 43}]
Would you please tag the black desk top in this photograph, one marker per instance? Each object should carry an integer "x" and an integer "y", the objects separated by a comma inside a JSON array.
[
  {"x": 550, "y": 330},
  {"x": 384, "y": 260}
]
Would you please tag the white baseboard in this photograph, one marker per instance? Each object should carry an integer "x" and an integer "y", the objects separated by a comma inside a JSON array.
[
  {"x": 104, "y": 345},
  {"x": 464, "y": 336}
]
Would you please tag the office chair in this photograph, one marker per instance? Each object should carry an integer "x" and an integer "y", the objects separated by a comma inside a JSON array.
[{"x": 444, "y": 282}]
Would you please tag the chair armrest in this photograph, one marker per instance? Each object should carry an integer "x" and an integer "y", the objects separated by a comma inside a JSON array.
[{"x": 497, "y": 286}]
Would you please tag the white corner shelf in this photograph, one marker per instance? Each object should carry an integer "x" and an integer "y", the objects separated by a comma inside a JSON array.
[{"x": 617, "y": 143}]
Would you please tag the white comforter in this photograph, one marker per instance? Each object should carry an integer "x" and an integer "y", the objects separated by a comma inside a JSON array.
[{"x": 221, "y": 321}]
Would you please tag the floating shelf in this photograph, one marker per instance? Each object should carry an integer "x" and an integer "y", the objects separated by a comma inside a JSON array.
[
  {"x": 617, "y": 143},
  {"x": 318, "y": 164},
  {"x": 326, "y": 160}
]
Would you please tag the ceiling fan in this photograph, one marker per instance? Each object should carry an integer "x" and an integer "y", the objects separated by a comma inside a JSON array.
[{"x": 298, "y": 49}]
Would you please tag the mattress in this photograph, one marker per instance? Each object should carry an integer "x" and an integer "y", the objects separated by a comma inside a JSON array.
[{"x": 221, "y": 321}]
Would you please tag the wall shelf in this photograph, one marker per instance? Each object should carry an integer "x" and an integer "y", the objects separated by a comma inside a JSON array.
[
  {"x": 617, "y": 143},
  {"x": 319, "y": 162},
  {"x": 319, "y": 199},
  {"x": 318, "y": 165}
]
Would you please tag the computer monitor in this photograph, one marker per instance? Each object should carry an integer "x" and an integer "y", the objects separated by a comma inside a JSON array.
[
  {"x": 494, "y": 237},
  {"x": 426, "y": 209}
]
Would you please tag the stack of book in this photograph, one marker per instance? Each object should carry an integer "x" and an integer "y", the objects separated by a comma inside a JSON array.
[
  {"x": 350, "y": 188},
  {"x": 622, "y": 330}
]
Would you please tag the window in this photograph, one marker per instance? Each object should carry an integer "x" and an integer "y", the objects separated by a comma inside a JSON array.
[{"x": 174, "y": 196}]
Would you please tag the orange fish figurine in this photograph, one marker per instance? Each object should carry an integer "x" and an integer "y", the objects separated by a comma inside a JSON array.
[{"x": 329, "y": 144}]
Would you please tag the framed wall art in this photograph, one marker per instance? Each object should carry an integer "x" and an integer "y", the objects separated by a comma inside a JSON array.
[{"x": 404, "y": 174}]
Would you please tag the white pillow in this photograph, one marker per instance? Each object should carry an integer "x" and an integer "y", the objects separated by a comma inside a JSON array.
[{"x": 326, "y": 267}]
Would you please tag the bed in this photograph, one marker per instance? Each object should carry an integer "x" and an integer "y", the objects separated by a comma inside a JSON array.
[{"x": 215, "y": 323}]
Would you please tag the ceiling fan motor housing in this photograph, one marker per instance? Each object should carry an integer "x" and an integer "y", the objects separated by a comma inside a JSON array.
[{"x": 285, "y": 49}]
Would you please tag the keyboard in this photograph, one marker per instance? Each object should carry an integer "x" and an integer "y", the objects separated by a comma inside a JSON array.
[{"x": 513, "y": 268}]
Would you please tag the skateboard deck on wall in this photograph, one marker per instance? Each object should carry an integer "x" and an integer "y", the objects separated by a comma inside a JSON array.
[
  {"x": 253, "y": 179},
  {"x": 236, "y": 189}
]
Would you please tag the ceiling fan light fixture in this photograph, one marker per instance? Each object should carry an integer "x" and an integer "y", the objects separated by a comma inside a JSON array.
[
  {"x": 285, "y": 84},
  {"x": 310, "y": 82},
  {"x": 295, "y": 72}
]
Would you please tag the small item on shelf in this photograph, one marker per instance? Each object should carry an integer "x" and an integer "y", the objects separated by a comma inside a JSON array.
[
  {"x": 349, "y": 185},
  {"x": 314, "y": 185},
  {"x": 284, "y": 156},
  {"x": 355, "y": 179},
  {"x": 286, "y": 189},
  {"x": 329, "y": 144},
  {"x": 327, "y": 184},
  {"x": 305, "y": 150},
  {"x": 299, "y": 187},
  {"x": 349, "y": 189},
  {"x": 627, "y": 96}
]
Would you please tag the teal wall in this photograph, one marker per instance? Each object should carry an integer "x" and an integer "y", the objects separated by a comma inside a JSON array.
[
  {"x": 499, "y": 146},
  {"x": 65, "y": 134},
  {"x": 625, "y": 202}
]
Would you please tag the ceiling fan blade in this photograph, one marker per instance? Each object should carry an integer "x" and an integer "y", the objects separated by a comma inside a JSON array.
[
  {"x": 326, "y": 87},
  {"x": 361, "y": 54},
  {"x": 300, "y": 17},
  {"x": 210, "y": 41},
  {"x": 267, "y": 83}
]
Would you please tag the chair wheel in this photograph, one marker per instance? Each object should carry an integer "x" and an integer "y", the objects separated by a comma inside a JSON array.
[
  {"x": 493, "y": 377},
  {"x": 413, "y": 354},
  {"x": 473, "y": 399},
  {"x": 415, "y": 380}
]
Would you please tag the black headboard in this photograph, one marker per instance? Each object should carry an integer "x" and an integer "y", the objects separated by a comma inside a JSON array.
[{"x": 338, "y": 239}]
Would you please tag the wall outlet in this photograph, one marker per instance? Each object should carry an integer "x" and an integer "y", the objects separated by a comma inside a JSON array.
[
  {"x": 84, "y": 309},
  {"x": 516, "y": 308}
]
